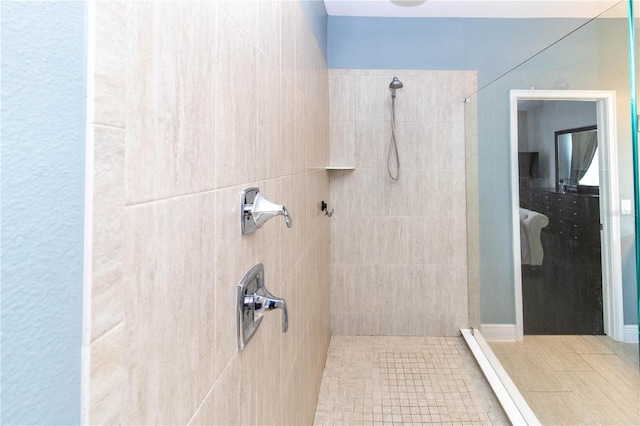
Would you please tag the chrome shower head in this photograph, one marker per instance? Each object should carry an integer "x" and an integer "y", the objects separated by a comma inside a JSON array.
[{"x": 395, "y": 84}]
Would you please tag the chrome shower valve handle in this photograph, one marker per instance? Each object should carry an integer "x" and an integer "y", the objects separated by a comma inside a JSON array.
[
  {"x": 256, "y": 210},
  {"x": 262, "y": 302},
  {"x": 253, "y": 301}
]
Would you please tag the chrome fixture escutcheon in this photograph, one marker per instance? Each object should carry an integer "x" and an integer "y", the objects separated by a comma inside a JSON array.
[{"x": 254, "y": 300}]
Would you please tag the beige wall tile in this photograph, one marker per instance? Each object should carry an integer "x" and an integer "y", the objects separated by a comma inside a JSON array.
[
  {"x": 269, "y": 143},
  {"x": 342, "y": 97},
  {"x": 110, "y": 50},
  {"x": 288, "y": 16},
  {"x": 373, "y": 98},
  {"x": 244, "y": 13},
  {"x": 268, "y": 31},
  {"x": 265, "y": 366},
  {"x": 108, "y": 199},
  {"x": 417, "y": 100},
  {"x": 371, "y": 324},
  {"x": 107, "y": 378},
  {"x": 372, "y": 144},
  {"x": 224, "y": 402},
  {"x": 293, "y": 150},
  {"x": 288, "y": 341},
  {"x": 303, "y": 132},
  {"x": 342, "y": 292},
  {"x": 451, "y": 89},
  {"x": 303, "y": 54},
  {"x": 393, "y": 240},
  {"x": 348, "y": 198},
  {"x": 317, "y": 147},
  {"x": 343, "y": 146},
  {"x": 239, "y": 100},
  {"x": 169, "y": 308},
  {"x": 170, "y": 130},
  {"x": 235, "y": 105},
  {"x": 344, "y": 323},
  {"x": 417, "y": 145},
  {"x": 299, "y": 283},
  {"x": 343, "y": 248}
]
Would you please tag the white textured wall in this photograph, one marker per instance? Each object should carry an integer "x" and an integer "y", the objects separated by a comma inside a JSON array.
[
  {"x": 399, "y": 248},
  {"x": 193, "y": 102}
]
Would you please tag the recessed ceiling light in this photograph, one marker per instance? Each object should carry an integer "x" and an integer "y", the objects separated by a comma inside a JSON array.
[{"x": 408, "y": 3}]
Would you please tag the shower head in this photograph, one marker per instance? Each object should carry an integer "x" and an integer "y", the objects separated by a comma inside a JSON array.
[{"x": 395, "y": 84}]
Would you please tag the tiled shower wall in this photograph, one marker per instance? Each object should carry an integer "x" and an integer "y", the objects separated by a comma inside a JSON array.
[
  {"x": 399, "y": 248},
  {"x": 189, "y": 103}
]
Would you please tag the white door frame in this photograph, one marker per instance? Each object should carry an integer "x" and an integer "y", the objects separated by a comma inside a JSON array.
[{"x": 609, "y": 201}]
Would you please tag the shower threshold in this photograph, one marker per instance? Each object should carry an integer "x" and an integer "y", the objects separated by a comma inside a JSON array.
[
  {"x": 512, "y": 401},
  {"x": 388, "y": 380}
]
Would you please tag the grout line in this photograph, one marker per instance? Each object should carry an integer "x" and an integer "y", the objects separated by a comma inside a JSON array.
[
  {"x": 257, "y": 182},
  {"x": 108, "y": 126},
  {"x": 206, "y": 397},
  {"x": 169, "y": 198}
]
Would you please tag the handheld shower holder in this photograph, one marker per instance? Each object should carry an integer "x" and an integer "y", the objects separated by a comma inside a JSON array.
[{"x": 394, "y": 85}]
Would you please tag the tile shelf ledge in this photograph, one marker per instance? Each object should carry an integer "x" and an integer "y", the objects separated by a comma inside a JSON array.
[{"x": 339, "y": 168}]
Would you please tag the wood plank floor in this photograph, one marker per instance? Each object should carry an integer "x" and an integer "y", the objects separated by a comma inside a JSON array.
[{"x": 575, "y": 380}]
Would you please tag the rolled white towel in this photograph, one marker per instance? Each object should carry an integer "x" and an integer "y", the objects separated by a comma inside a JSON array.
[{"x": 531, "y": 224}]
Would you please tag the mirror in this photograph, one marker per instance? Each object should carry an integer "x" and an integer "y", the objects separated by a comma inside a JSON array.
[{"x": 577, "y": 160}]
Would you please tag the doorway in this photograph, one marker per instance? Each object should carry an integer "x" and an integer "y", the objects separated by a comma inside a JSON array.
[{"x": 611, "y": 287}]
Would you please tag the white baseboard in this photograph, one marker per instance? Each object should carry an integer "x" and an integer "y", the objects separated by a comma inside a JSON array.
[
  {"x": 507, "y": 332},
  {"x": 499, "y": 332},
  {"x": 631, "y": 333}
]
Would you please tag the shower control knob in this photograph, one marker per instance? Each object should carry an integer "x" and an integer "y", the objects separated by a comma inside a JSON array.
[{"x": 255, "y": 210}]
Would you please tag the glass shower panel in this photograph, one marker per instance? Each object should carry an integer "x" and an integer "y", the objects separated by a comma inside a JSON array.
[
  {"x": 593, "y": 57},
  {"x": 634, "y": 58}
]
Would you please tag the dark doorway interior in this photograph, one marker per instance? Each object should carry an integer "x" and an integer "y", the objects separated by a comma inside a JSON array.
[{"x": 564, "y": 294}]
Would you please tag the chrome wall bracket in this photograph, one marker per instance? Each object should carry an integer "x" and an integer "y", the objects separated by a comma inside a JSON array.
[
  {"x": 254, "y": 300},
  {"x": 255, "y": 210}
]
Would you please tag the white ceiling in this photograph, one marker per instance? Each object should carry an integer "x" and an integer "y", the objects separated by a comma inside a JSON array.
[{"x": 473, "y": 8}]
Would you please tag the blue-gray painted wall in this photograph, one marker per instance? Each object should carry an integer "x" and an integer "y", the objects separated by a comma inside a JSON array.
[
  {"x": 43, "y": 139},
  {"x": 489, "y": 46},
  {"x": 316, "y": 14}
]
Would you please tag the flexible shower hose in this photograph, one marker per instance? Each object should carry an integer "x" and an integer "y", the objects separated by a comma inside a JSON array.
[{"x": 393, "y": 145}]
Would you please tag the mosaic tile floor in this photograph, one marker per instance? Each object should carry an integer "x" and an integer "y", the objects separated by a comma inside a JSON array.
[{"x": 379, "y": 380}]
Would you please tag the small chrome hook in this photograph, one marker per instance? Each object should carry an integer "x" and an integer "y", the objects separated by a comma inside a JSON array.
[{"x": 325, "y": 209}]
